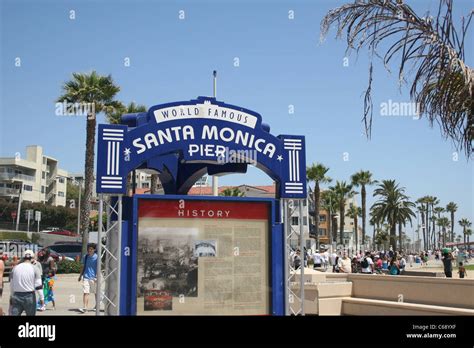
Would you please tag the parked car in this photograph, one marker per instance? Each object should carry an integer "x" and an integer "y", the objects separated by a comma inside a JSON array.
[
  {"x": 63, "y": 233},
  {"x": 55, "y": 255},
  {"x": 69, "y": 249},
  {"x": 50, "y": 229}
]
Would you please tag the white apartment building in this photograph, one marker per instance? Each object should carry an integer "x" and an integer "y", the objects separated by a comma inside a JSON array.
[{"x": 37, "y": 176}]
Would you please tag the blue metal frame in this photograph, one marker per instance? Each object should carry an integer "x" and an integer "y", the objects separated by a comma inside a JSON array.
[{"x": 128, "y": 286}]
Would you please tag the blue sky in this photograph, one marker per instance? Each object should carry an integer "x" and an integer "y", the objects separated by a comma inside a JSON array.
[{"x": 282, "y": 62}]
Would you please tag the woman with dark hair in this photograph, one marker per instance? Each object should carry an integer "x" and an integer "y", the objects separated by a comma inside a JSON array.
[
  {"x": 394, "y": 269},
  {"x": 47, "y": 262}
]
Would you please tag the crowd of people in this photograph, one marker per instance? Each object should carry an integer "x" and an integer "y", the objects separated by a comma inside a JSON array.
[
  {"x": 379, "y": 262},
  {"x": 32, "y": 281}
]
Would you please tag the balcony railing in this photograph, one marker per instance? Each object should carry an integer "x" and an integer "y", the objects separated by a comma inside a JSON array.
[
  {"x": 13, "y": 176},
  {"x": 5, "y": 191}
]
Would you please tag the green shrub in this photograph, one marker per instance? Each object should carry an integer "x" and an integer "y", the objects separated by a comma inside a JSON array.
[{"x": 66, "y": 266}]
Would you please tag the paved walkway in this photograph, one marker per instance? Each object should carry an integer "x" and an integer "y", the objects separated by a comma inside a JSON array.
[{"x": 68, "y": 295}]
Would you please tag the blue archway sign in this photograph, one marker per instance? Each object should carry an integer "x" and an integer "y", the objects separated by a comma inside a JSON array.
[{"x": 184, "y": 140}]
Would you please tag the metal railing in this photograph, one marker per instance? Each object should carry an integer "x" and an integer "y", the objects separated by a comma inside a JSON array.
[
  {"x": 9, "y": 191},
  {"x": 14, "y": 176}
]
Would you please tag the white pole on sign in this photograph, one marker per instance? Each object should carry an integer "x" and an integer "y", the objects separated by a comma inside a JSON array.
[
  {"x": 302, "y": 253},
  {"x": 215, "y": 179}
]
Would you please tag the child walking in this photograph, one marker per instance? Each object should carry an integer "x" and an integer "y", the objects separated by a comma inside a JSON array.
[
  {"x": 48, "y": 289},
  {"x": 462, "y": 271}
]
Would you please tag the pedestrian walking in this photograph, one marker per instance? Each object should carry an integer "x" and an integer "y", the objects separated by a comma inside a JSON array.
[
  {"x": 88, "y": 275},
  {"x": 448, "y": 265},
  {"x": 22, "y": 287},
  {"x": 38, "y": 284}
]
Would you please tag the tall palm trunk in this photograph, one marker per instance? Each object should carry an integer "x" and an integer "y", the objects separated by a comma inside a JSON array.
[
  {"x": 444, "y": 236},
  {"x": 428, "y": 231},
  {"x": 400, "y": 236},
  {"x": 334, "y": 229},
  {"x": 363, "y": 192},
  {"x": 393, "y": 235},
  {"x": 329, "y": 231},
  {"x": 316, "y": 210},
  {"x": 341, "y": 223},
  {"x": 434, "y": 226},
  {"x": 452, "y": 227},
  {"x": 424, "y": 229},
  {"x": 356, "y": 233},
  {"x": 88, "y": 181}
]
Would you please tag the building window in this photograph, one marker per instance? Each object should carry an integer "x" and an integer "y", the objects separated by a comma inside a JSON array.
[
  {"x": 60, "y": 194},
  {"x": 17, "y": 186},
  {"x": 28, "y": 187},
  {"x": 294, "y": 220},
  {"x": 322, "y": 218},
  {"x": 42, "y": 189},
  {"x": 10, "y": 170},
  {"x": 43, "y": 175},
  {"x": 145, "y": 185},
  {"x": 61, "y": 180},
  {"x": 305, "y": 220},
  {"x": 322, "y": 231},
  {"x": 304, "y": 203},
  {"x": 2, "y": 184},
  {"x": 44, "y": 160},
  {"x": 8, "y": 185}
]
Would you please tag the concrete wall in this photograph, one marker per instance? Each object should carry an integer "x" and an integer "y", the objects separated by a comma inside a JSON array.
[{"x": 423, "y": 290}]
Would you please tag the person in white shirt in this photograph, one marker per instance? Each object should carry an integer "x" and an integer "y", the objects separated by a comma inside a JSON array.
[
  {"x": 344, "y": 264},
  {"x": 22, "y": 287},
  {"x": 317, "y": 259},
  {"x": 325, "y": 259},
  {"x": 39, "y": 283},
  {"x": 368, "y": 263},
  {"x": 333, "y": 261}
]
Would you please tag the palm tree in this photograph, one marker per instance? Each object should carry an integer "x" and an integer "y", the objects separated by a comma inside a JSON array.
[
  {"x": 363, "y": 179},
  {"x": 98, "y": 91},
  {"x": 468, "y": 234},
  {"x": 452, "y": 208},
  {"x": 431, "y": 203},
  {"x": 317, "y": 173},
  {"x": 443, "y": 222},
  {"x": 405, "y": 213},
  {"x": 342, "y": 192},
  {"x": 428, "y": 50},
  {"x": 465, "y": 224},
  {"x": 423, "y": 209},
  {"x": 232, "y": 192},
  {"x": 329, "y": 203},
  {"x": 114, "y": 116},
  {"x": 355, "y": 212},
  {"x": 458, "y": 238},
  {"x": 393, "y": 206},
  {"x": 437, "y": 211}
]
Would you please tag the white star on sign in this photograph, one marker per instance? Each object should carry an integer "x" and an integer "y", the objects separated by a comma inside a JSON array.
[
  {"x": 127, "y": 151},
  {"x": 280, "y": 158}
]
